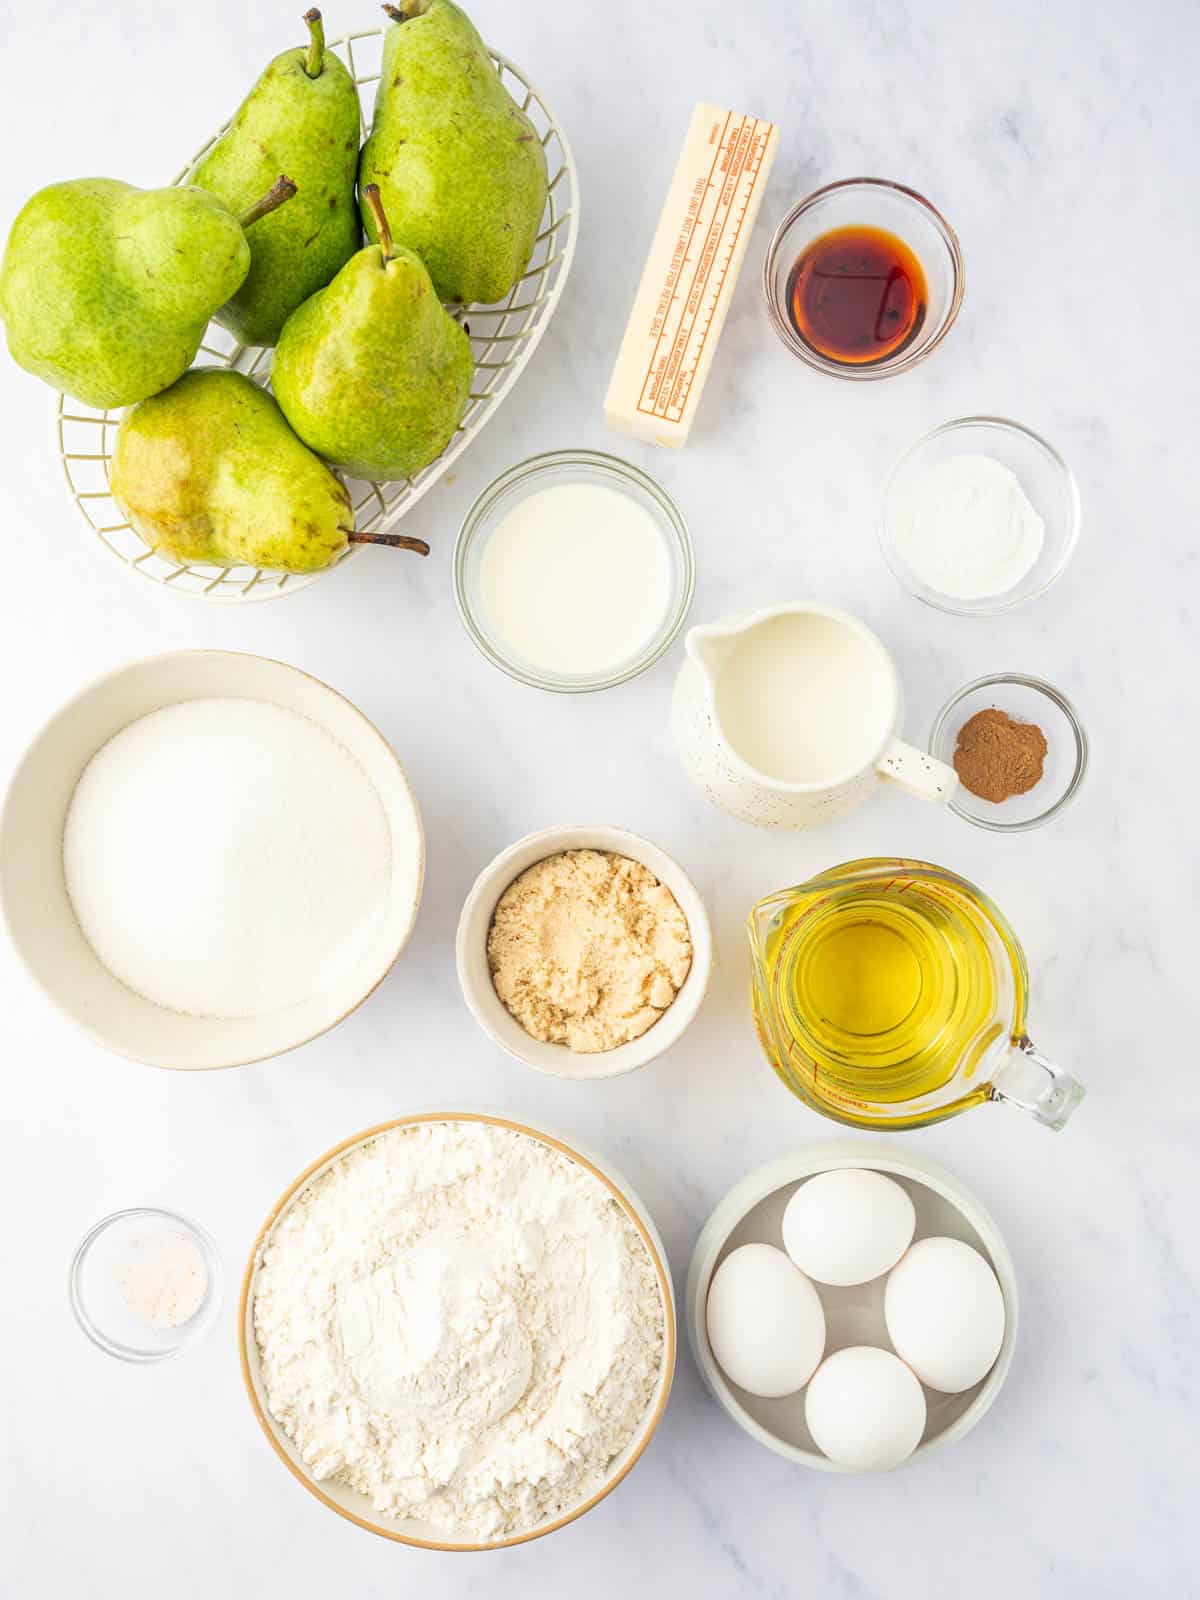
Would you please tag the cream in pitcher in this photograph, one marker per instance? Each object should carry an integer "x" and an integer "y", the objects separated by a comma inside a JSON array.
[{"x": 790, "y": 718}]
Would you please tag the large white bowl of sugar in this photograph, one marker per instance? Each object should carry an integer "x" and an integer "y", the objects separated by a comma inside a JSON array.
[{"x": 208, "y": 858}]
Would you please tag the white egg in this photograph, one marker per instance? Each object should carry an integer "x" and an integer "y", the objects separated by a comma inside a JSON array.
[
  {"x": 848, "y": 1226},
  {"x": 945, "y": 1314},
  {"x": 865, "y": 1409},
  {"x": 766, "y": 1325}
]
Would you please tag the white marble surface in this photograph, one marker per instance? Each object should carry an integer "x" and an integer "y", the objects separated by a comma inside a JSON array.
[{"x": 1061, "y": 141}]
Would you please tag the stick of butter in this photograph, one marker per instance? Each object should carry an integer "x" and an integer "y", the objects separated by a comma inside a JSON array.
[{"x": 690, "y": 275}]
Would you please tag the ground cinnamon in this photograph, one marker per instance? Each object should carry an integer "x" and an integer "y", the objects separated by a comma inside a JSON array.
[{"x": 996, "y": 758}]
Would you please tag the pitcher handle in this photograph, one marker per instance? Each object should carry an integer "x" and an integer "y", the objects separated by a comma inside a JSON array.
[
  {"x": 917, "y": 772},
  {"x": 1033, "y": 1082}
]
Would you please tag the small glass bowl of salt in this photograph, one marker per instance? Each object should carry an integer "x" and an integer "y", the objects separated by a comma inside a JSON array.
[
  {"x": 145, "y": 1284},
  {"x": 979, "y": 516}
]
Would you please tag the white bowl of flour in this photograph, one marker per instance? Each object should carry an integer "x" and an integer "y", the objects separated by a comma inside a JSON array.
[
  {"x": 209, "y": 858},
  {"x": 458, "y": 1331}
]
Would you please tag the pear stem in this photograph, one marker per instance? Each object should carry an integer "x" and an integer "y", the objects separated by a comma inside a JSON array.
[
  {"x": 398, "y": 541},
  {"x": 395, "y": 13},
  {"x": 315, "y": 58},
  {"x": 282, "y": 189},
  {"x": 372, "y": 196}
]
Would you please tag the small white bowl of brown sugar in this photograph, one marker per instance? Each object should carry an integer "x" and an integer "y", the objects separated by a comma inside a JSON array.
[{"x": 584, "y": 951}]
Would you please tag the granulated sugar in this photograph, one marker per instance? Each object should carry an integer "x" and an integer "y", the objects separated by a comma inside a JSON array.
[{"x": 226, "y": 857}]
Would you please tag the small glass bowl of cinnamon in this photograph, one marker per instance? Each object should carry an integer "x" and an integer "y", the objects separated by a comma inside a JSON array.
[{"x": 1009, "y": 779}]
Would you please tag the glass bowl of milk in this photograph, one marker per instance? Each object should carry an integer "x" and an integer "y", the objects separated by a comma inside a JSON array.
[{"x": 573, "y": 571}]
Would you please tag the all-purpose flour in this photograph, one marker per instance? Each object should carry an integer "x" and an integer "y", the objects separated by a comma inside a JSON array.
[{"x": 461, "y": 1323}]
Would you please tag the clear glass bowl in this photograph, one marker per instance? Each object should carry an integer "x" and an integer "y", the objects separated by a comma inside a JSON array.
[
  {"x": 1025, "y": 699},
  {"x": 871, "y": 203},
  {"x": 530, "y": 477},
  {"x": 100, "y": 1306},
  {"x": 1049, "y": 485}
]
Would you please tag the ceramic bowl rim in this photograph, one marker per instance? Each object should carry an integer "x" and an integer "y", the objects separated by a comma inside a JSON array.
[
  {"x": 806, "y": 1162},
  {"x": 633, "y": 1208},
  {"x": 95, "y": 686},
  {"x": 495, "y": 878}
]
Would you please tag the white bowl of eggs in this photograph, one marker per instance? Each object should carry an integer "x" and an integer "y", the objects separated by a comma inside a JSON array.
[{"x": 851, "y": 1309}]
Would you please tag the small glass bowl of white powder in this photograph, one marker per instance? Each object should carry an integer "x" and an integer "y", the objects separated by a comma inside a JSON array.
[
  {"x": 979, "y": 516},
  {"x": 573, "y": 571},
  {"x": 145, "y": 1284}
]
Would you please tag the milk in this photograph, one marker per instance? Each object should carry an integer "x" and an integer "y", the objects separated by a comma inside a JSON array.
[
  {"x": 790, "y": 718},
  {"x": 802, "y": 698},
  {"x": 575, "y": 579}
]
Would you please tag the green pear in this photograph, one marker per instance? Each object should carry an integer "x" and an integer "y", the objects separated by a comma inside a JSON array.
[
  {"x": 209, "y": 471},
  {"x": 106, "y": 290},
  {"x": 373, "y": 373},
  {"x": 302, "y": 118},
  {"x": 460, "y": 166}
]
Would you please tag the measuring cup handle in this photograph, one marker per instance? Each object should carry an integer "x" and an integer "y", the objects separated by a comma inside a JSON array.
[
  {"x": 1034, "y": 1083},
  {"x": 916, "y": 772}
]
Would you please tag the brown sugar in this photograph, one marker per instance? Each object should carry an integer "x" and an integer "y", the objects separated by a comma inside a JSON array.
[
  {"x": 588, "y": 949},
  {"x": 996, "y": 758}
]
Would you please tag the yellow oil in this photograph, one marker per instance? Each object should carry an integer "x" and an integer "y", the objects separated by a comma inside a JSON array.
[{"x": 877, "y": 1000}]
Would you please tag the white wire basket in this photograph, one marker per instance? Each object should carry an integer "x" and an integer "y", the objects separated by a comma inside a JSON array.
[{"x": 503, "y": 337}]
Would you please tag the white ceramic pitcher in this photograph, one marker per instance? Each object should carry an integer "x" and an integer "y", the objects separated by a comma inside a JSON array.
[{"x": 790, "y": 718}]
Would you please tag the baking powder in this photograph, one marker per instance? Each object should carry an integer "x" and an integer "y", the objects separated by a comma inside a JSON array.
[
  {"x": 966, "y": 529},
  {"x": 461, "y": 1323}
]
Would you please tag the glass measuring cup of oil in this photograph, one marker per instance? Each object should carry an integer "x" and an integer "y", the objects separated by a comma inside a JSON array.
[{"x": 892, "y": 994}]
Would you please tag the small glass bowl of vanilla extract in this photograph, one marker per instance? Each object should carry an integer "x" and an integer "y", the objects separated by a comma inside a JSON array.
[{"x": 863, "y": 279}]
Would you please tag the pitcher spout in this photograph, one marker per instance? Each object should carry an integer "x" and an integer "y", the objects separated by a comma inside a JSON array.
[{"x": 710, "y": 646}]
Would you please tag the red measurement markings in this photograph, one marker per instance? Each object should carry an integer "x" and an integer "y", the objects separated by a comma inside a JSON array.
[{"x": 667, "y": 385}]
